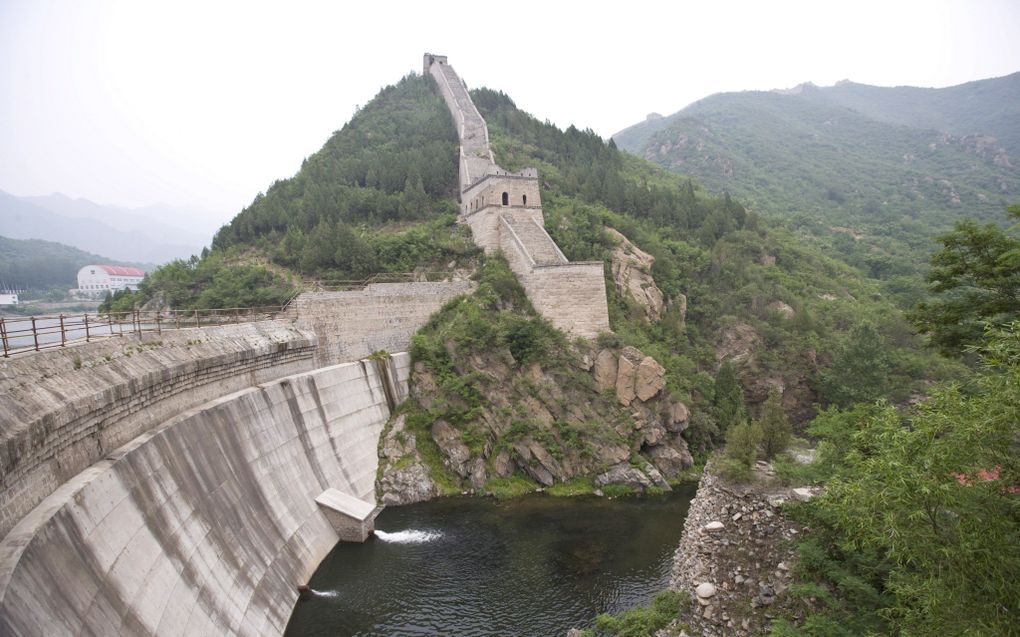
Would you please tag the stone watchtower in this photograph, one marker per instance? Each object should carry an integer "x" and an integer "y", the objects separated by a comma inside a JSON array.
[{"x": 504, "y": 211}]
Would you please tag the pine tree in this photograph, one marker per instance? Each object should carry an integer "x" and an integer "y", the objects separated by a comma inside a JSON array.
[{"x": 775, "y": 426}]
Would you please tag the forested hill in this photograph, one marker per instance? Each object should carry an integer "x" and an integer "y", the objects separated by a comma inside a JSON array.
[
  {"x": 873, "y": 191},
  {"x": 38, "y": 265}
]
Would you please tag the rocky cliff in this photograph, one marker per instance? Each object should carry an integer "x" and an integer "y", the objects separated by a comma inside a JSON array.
[{"x": 501, "y": 398}]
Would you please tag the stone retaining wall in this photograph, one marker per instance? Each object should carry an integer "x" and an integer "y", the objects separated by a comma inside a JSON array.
[{"x": 383, "y": 316}]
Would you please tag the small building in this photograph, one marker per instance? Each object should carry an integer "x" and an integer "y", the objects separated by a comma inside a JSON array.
[
  {"x": 8, "y": 298},
  {"x": 97, "y": 280}
]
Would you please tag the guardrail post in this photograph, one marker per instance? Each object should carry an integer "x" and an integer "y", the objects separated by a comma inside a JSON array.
[
  {"x": 158, "y": 330},
  {"x": 3, "y": 336},
  {"x": 35, "y": 335},
  {"x": 63, "y": 335}
]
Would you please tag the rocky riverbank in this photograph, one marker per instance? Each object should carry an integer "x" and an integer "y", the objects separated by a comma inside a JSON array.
[{"x": 735, "y": 556}]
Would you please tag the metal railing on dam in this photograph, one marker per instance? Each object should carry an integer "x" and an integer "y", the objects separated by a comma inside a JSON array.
[
  {"x": 25, "y": 334},
  {"x": 21, "y": 335}
]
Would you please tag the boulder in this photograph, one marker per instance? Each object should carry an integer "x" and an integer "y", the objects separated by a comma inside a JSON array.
[
  {"x": 605, "y": 370},
  {"x": 624, "y": 474},
  {"x": 632, "y": 276},
  {"x": 705, "y": 590},
  {"x": 804, "y": 493},
  {"x": 656, "y": 477},
  {"x": 653, "y": 435},
  {"x": 677, "y": 417},
  {"x": 502, "y": 464},
  {"x": 782, "y": 309},
  {"x": 610, "y": 453},
  {"x": 651, "y": 378},
  {"x": 625, "y": 379},
  {"x": 670, "y": 460},
  {"x": 537, "y": 462},
  {"x": 398, "y": 443}
]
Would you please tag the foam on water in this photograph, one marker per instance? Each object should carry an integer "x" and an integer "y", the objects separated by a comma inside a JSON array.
[
  {"x": 410, "y": 536},
  {"x": 325, "y": 593}
]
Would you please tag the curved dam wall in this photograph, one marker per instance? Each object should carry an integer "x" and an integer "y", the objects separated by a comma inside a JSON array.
[
  {"x": 204, "y": 524},
  {"x": 64, "y": 410}
]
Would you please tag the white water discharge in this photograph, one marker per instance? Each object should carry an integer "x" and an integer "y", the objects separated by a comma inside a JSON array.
[
  {"x": 411, "y": 536},
  {"x": 325, "y": 593}
]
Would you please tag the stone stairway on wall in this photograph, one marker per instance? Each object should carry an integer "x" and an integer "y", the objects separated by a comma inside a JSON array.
[
  {"x": 537, "y": 243},
  {"x": 504, "y": 212}
]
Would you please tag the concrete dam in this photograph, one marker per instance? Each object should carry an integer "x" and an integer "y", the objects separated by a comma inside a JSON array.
[{"x": 167, "y": 485}]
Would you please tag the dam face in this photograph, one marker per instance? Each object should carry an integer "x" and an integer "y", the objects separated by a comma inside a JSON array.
[
  {"x": 205, "y": 524},
  {"x": 167, "y": 485}
]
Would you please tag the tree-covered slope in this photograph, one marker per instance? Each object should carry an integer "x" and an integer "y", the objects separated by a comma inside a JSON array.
[
  {"x": 38, "y": 265},
  {"x": 873, "y": 192},
  {"x": 393, "y": 165},
  {"x": 378, "y": 197}
]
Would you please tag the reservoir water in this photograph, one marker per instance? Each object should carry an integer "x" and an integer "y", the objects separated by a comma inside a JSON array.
[{"x": 537, "y": 565}]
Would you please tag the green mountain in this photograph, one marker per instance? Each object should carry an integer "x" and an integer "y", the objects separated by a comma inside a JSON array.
[
  {"x": 35, "y": 265},
  {"x": 380, "y": 197},
  {"x": 842, "y": 169}
]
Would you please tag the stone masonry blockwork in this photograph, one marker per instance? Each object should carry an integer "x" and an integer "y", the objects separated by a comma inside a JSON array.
[{"x": 504, "y": 212}]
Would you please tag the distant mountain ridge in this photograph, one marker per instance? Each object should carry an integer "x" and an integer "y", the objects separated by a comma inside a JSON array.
[
  {"x": 863, "y": 167},
  {"x": 147, "y": 235}
]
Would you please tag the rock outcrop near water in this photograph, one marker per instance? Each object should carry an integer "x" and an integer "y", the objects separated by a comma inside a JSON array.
[{"x": 606, "y": 417}]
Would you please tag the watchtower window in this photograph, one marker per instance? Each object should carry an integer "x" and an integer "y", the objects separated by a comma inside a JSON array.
[
  {"x": 525, "y": 199},
  {"x": 506, "y": 199}
]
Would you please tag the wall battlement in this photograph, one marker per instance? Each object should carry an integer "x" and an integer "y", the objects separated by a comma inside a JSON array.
[{"x": 504, "y": 212}]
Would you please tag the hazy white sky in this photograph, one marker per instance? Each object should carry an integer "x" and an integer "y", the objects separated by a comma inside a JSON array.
[{"x": 205, "y": 102}]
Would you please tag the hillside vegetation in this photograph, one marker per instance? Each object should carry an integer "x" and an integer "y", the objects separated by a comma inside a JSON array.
[
  {"x": 856, "y": 178},
  {"x": 40, "y": 265}
]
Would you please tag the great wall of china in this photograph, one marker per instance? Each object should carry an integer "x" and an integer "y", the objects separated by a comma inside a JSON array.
[
  {"x": 504, "y": 211},
  {"x": 166, "y": 484}
]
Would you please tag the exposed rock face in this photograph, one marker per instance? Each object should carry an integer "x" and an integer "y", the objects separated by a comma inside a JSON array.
[
  {"x": 632, "y": 275},
  {"x": 651, "y": 378},
  {"x": 404, "y": 478},
  {"x": 637, "y": 376},
  {"x": 783, "y": 309},
  {"x": 737, "y": 343},
  {"x": 546, "y": 424},
  {"x": 670, "y": 460},
  {"x": 455, "y": 453}
]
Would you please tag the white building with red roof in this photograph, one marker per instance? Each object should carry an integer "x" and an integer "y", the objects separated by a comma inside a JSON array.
[{"x": 97, "y": 280}]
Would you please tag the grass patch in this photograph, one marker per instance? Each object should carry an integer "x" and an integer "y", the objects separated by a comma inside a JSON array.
[
  {"x": 513, "y": 487},
  {"x": 617, "y": 490},
  {"x": 575, "y": 486},
  {"x": 642, "y": 621}
]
